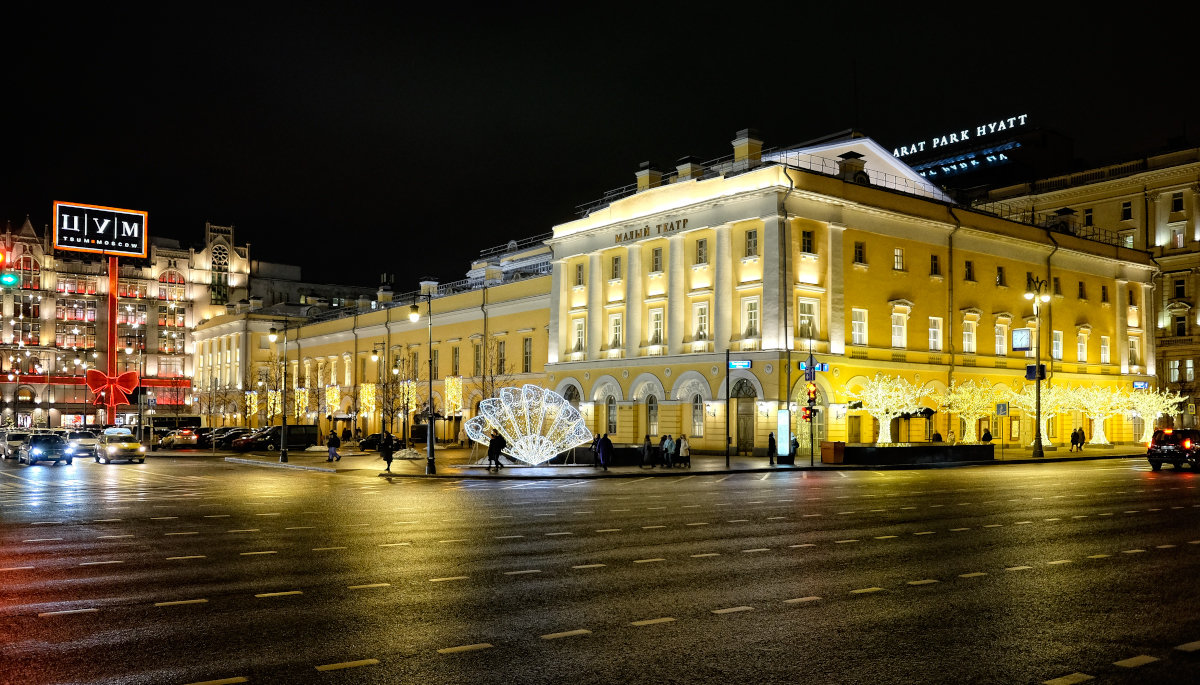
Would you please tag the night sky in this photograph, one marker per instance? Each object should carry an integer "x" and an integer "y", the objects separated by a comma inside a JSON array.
[{"x": 354, "y": 141}]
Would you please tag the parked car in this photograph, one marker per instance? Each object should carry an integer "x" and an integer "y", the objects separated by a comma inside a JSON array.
[
  {"x": 299, "y": 438},
  {"x": 182, "y": 437},
  {"x": 1174, "y": 446},
  {"x": 120, "y": 443},
  {"x": 44, "y": 447},
  {"x": 10, "y": 444},
  {"x": 82, "y": 443},
  {"x": 225, "y": 440},
  {"x": 202, "y": 433},
  {"x": 371, "y": 442}
]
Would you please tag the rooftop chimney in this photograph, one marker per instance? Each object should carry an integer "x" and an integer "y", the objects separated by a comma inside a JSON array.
[
  {"x": 384, "y": 294},
  {"x": 747, "y": 147},
  {"x": 852, "y": 168},
  {"x": 648, "y": 177},
  {"x": 429, "y": 287},
  {"x": 688, "y": 167}
]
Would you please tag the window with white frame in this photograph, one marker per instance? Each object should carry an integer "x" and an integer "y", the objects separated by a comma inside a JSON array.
[
  {"x": 700, "y": 318},
  {"x": 616, "y": 268},
  {"x": 898, "y": 259},
  {"x": 750, "y": 316},
  {"x": 656, "y": 261},
  {"x": 702, "y": 251},
  {"x": 899, "y": 330},
  {"x": 1189, "y": 370},
  {"x": 806, "y": 318},
  {"x": 1081, "y": 340},
  {"x": 697, "y": 416},
  {"x": 1173, "y": 370},
  {"x": 752, "y": 243},
  {"x": 1056, "y": 345},
  {"x": 858, "y": 327},
  {"x": 969, "y": 337},
  {"x": 1001, "y": 335},
  {"x": 1134, "y": 352},
  {"x": 580, "y": 326},
  {"x": 1104, "y": 356},
  {"x": 656, "y": 327},
  {"x": 578, "y": 274},
  {"x": 614, "y": 330},
  {"x": 935, "y": 334}
]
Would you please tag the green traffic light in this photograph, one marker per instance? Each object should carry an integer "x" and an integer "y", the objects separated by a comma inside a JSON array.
[{"x": 8, "y": 280}]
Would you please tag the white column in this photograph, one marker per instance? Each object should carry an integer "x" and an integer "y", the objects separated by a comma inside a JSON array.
[
  {"x": 675, "y": 295},
  {"x": 595, "y": 314},
  {"x": 1191, "y": 204},
  {"x": 722, "y": 314},
  {"x": 771, "y": 321},
  {"x": 633, "y": 301},
  {"x": 557, "y": 312},
  {"x": 1122, "y": 324},
  {"x": 835, "y": 299},
  {"x": 1162, "y": 210},
  {"x": 1149, "y": 329}
]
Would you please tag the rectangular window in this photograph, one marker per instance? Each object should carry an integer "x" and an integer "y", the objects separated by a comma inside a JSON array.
[
  {"x": 935, "y": 268},
  {"x": 1000, "y": 276},
  {"x": 1001, "y": 340},
  {"x": 968, "y": 270},
  {"x": 899, "y": 330},
  {"x": 969, "y": 337},
  {"x": 657, "y": 336},
  {"x": 1177, "y": 201},
  {"x": 752, "y": 243},
  {"x": 478, "y": 359},
  {"x": 527, "y": 355},
  {"x": 1081, "y": 348},
  {"x": 455, "y": 358},
  {"x": 1173, "y": 371},
  {"x": 700, "y": 316},
  {"x": 1087, "y": 217},
  {"x": 808, "y": 242},
  {"x": 1104, "y": 293},
  {"x": 1134, "y": 357},
  {"x": 1104, "y": 356},
  {"x": 1180, "y": 287},
  {"x": 656, "y": 261},
  {"x": 1177, "y": 239},
  {"x": 860, "y": 253},
  {"x": 1189, "y": 370},
  {"x": 898, "y": 259},
  {"x": 750, "y": 316},
  {"x": 616, "y": 268},
  {"x": 935, "y": 334},
  {"x": 580, "y": 327},
  {"x": 1056, "y": 345},
  {"x": 614, "y": 330},
  {"x": 435, "y": 369},
  {"x": 702, "y": 251},
  {"x": 1057, "y": 286},
  {"x": 1180, "y": 325},
  {"x": 806, "y": 318},
  {"x": 578, "y": 274},
  {"x": 1126, "y": 211},
  {"x": 858, "y": 327},
  {"x": 1082, "y": 291},
  {"x": 501, "y": 356}
]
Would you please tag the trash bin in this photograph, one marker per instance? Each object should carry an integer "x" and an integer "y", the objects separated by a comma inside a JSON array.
[{"x": 832, "y": 452}]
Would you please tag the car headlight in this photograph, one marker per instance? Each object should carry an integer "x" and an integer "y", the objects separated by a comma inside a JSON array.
[
  {"x": 112, "y": 448},
  {"x": 37, "y": 450},
  {"x": 142, "y": 448},
  {"x": 70, "y": 449}
]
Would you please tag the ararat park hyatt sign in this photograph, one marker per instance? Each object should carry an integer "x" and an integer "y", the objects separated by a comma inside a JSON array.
[{"x": 104, "y": 230}]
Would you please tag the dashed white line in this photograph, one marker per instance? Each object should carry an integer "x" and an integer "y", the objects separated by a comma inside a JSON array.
[
  {"x": 464, "y": 648},
  {"x": 732, "y": 610},
  {"x": 566, "y": 633},
  {"x": 652, "y": 621},
  {"x": 347, "y": 664},
  {"x": 1135, "y": 661}
]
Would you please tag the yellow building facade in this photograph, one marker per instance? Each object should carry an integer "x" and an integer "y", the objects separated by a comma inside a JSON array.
[{"x": 838, "y": 247}]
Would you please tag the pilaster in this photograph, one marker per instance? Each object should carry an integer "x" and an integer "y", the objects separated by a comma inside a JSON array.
[
  {"x": 835, "y": 292},
  {"x": 774, "y": 285},
  {"x": 675, "y": 296},
  {"x": 722, "y": 314},
  {"x": 633, "y": 300},
  {"x": 558, "y": 302}
]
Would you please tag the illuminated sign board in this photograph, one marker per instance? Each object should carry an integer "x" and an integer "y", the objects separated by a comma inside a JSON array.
[
  {"x": 103, "y": 230},
  {"x": 1141, "y": 385},
  {"x": 962, "y": 135},
  {"x": 739, "y": 363},
  {"x": 1022, "y": 339}
]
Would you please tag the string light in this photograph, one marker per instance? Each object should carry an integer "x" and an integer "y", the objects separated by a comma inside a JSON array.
[{"x": 537, "y": 423}]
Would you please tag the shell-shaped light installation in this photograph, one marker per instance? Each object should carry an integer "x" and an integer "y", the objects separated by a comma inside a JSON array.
[{"x": 537, "y": 423}]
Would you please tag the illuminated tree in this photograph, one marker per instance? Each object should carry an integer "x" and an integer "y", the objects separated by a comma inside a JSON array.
[
  {"x": 1097, "y": 403},
  {"x": 1150, "y": 404},
  {"x": 887, "y": 397},
  {"x": 971, "y": 401},
  {"x": 1054, "y": 402}
]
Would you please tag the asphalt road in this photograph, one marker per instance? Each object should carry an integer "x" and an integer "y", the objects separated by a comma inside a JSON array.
[{"x": 194, "y": 570}]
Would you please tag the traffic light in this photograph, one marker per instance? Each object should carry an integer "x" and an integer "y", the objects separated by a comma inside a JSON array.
[
  {"x": 810, "y": 391},
  {"x": 805, "y": 414},
  {"x": 8, "y": 279}
]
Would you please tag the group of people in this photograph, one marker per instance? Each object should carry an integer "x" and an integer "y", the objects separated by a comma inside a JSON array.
[
  {"x": 669, "y": 452},
  {"x": 602, "y": 449},
  {"x": 1077, "y": 440}
]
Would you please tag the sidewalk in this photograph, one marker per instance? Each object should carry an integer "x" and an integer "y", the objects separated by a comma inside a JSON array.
[{"x": 454, "y": 462}]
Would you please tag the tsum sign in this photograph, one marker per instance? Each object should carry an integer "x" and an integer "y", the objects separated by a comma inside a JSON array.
[
  {"x": 962, "y": 135},
  {"x": 103, "y": 230}
]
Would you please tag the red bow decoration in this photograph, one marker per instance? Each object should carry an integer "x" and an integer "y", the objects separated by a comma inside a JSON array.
[{"x": 117, "y": 389}]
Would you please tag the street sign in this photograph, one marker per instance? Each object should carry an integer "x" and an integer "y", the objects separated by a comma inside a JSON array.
[
  {"x": 104, "y": 230},
  {"x": 1040, "y": 371},
  {"x": 1002, "y": 409},
  {"x": 1141, "y": 385},
  {"x": 816, "y": 366},
  {"x": 810, "y": 374},
  {"x": 739, "y": 363}
]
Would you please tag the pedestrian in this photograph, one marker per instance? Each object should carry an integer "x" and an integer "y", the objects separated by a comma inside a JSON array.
[
  {"x": 606, "y": 450},
  {"x": 936, "y": 437},
  {"x": 685, "y": 451},
  {"x": 495, "y": 446},
  {"x": 678, "y": 447},
  {"x": 795, "y": 447},
  {"x": 333, "y": 444},
  {"x": 596, "y": 451},
  {"x": 771, "y": 448},
  {"x": 668, "y": 452},
  {"x": 347, "y": 436},
  {"x": 386, "y": 450},
  {"x": 357, "y": 434},
  {"x": 647, "y": 452},
  {"x": 661, "y": 454},
  {"x": 987, "y": 435},
  {"x": 462, "y": 436}
]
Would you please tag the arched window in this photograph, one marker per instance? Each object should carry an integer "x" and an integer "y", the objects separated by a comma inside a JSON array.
[
  {"x": 171, "y": 285},
  {"x": 30, "y": 272},
  {"x": 610, "y": 412},
  {"x": 697, "y": 416},
  {"x": 571, "y": 395},
  {"x": 652, "y": 414},
  {"x": 743, "y": 388}
]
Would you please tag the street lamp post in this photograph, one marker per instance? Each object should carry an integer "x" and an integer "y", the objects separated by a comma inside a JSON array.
[
  {"x": 414, "y": 314},
  {"x": 283, "y": 436},
  {"x": 1035, "y": 291}
]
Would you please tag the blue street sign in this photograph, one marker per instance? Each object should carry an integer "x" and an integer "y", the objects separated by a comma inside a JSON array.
[
  {"x": 810, "y": 374},
  {"x": 1039, "y": 369},
  {"x": 1141, "y": 385},
  {"x": 816, "y": 366},
  {"x": 739, "y": 363}
]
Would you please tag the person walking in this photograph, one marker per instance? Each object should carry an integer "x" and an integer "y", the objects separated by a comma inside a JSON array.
[
  {"x": 771, "y": 448},
  {"x": 647, "y": 452},
  {"x": 676, "y": 455},
  {"x": 685, "y": 451},
  {"x": 606, "y": 450},
  {"x": 596, "y": 451},
  {"x": 794, "y": 448},
  {"x": 386, "y": 450},
  {"x": 661, "y": 452},
  {"x": 347, "y": 436},
  {"x": 495, "y": 446},
  {"x": 333, "y": 444},
  {"x": 987, "y": 435},
  {"x": 668, "y": 452},
  {"x": 462, "y": 436}
]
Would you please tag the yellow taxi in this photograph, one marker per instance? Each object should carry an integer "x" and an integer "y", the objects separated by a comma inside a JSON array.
[{"x": 119, "y": 443}]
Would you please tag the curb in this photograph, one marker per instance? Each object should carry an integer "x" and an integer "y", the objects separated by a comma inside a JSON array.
[{"x": 278, "y": 465}]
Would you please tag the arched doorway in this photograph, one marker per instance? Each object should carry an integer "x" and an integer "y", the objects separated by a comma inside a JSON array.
[
  {"x": 743, "y": 392},
  {"x": 571, "y": 395}
]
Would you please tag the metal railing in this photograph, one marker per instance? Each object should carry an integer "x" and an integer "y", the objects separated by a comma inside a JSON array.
[{"x": 1051, "y": 221}]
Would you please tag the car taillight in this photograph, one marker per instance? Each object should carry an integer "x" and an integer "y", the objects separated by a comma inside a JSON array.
[{"x": 1187, "y": 444}]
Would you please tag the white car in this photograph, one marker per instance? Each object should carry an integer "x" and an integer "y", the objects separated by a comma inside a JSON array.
[{"x": 82, "y": 443}]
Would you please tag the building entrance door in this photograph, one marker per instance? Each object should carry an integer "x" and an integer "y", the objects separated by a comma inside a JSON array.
[
  {"x": 745, "y": 395},
  {"x": 853, "y": 429}
]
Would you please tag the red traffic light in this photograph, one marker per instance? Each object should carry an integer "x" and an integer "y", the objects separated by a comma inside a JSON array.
[{"x": 805, "y": 414}]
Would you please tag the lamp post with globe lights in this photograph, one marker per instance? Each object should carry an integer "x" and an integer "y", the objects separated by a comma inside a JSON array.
[
  {"x": 283, "y": 434},
  {"x": 414, "y": 315},
  {"x": 1037, "y": 291}
]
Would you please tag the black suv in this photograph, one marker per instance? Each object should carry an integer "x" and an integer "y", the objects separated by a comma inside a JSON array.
[
  {"x": 1174, "y": 446},
  {"x": 45, "y": 447}
]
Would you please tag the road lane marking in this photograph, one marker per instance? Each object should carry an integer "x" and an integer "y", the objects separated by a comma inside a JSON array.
[
  {"x": 222, "y": 681},
  {"x": 443, "y": 580},
  {"x": 64, "y": 612},
  {"x": 181, "y": 601},
  {"x": 464, "y": 648},
  {"x": 396, "y": 544},
  {"x": 884, "y": 537},
  {"x": 322, "y": 549},
  {"x": 993, "y": 525},
  {"x": 801, "y": 600},
  {"x": 927, "y": 581},
  {"x": 193, "y": 556},
  {"x": 1135, "y": 661},
  {"x": 518, "y": 573},
  {"x": 648, "y": 561},
  {"x": 842, "y": 542},
  {"x": 706, "y": 554},
  {"x": 508, "y": 537},
  {"x": 42, "y": 540},
  {"x": 17, "y": 568},
  {"x": 925, "y": 532},
  {"x": 105, "y": 520},
  {"x": 243, "y": 530},
  {"x": 1018, "y": 568},
  {"x": 191, "y": 532},
  {"x": 1165, "y": 547},
  {"x": 732, "y": 610},
  {"x": 1189, "y": 646},
  {"x": 279, "y": 594},
  {"x": 213, "y": 516},
  {"x": 347, "y": 664},
  {"x": 100, "y": 563},
  {"x": 804, "y": 544},
  {"x": 163, "y": 518},
  {"x": 756, "y": 549},
  {"x": 368, "y": 585},
  {"x": 1059, "y": 561},
  {"x": 567, "y": 633},
  {"x": 1069, "y": 679},
  {"x": 1098, "y": 556},
  {"x": 249, "y": 554},
  {"x": 652, "y": 621},
  {"x": 1024, "y": 523},
  {"x": 455, "y": 540},
  {"x": 976, "y": 574},
  {"x": 112, "y": 537},
  {"x": 957, "y": 530},
  {"x": 299, "y": 527},
  {"x": 866, "y": 590},
  {"x": 608, "y": 530},
  {"x": 1132, "y": 551}
]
